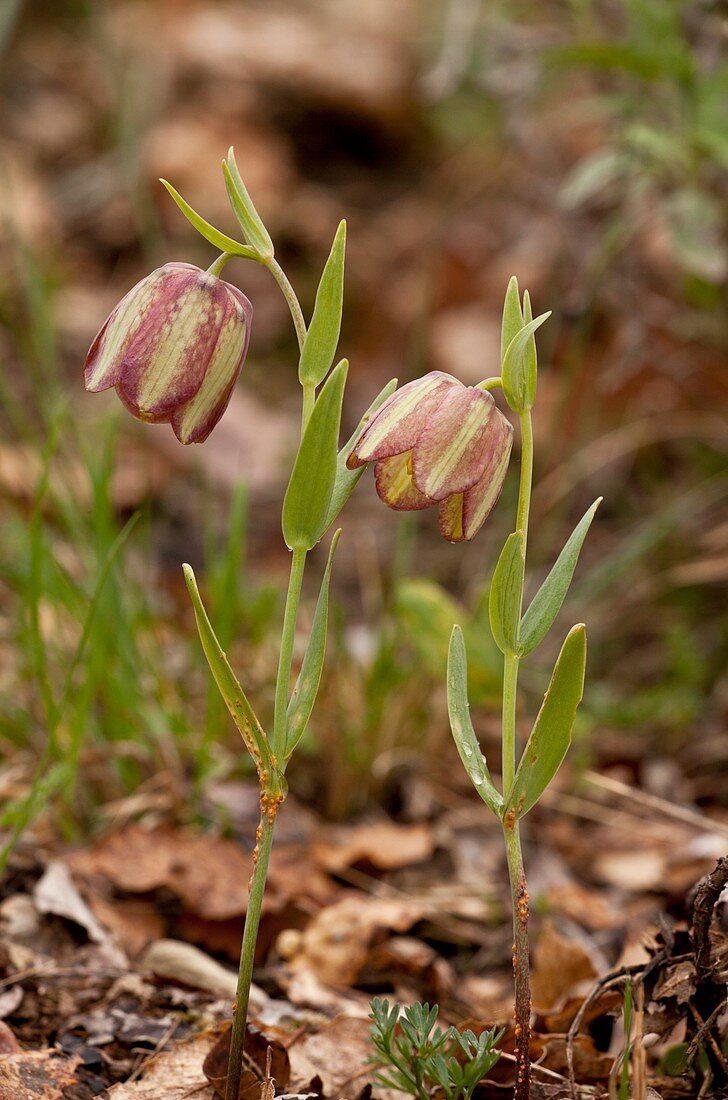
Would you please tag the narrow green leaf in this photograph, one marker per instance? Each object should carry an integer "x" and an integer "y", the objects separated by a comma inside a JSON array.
[
  {"x": 519, "y": 366},
  {"x": 546, "y": 604},
  {"x": 214, "y": 236},
  {"x": 242, "y": 713},
  {"x": 346, "y": 479},
  {"x": 551, "y": 735},
  {"x": 512, "y": 322},
  {"x": 322, "y": 336},
  {"x": 244, "y": 210},
  {"x": 506, "y": 592},
  {"x": 307, "y": 685},
  {"x": 462, "y": 726},
  {"x": 309, "y": 492}
]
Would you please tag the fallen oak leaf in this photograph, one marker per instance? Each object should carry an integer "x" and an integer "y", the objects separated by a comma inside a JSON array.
[
  {"x": 174, "y": 1074},
  {"x": 258, "y": 1066}
]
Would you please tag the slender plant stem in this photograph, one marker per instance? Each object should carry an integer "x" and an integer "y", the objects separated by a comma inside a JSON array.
[
  {"x": 510, "y": 686},
  {"x": 521, "y": 974},
  {"x": 494, "y": 383},
  {"x": 524, "y": 489},
  {"x": 285, "y": 660},
  {"x": 290, "y": 295},
  {"x": 261, "y": 856},
  {"x": 216, "y": 267},
  {"x": 519, "y": 890}
]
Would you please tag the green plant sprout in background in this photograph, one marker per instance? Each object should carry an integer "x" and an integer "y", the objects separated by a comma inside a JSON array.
[
  {"x": 416, "y": 1057},
  {"x": 526, "y": 775}
]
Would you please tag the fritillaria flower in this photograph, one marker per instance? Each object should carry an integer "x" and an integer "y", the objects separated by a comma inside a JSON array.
[
  {"x": 437, "y": 441},
  {"x": 173, "y": 348}
]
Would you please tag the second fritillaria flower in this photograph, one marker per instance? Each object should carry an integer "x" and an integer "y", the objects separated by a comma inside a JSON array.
[
  {"x": 173, "y": 348},
  {"x": 437, "y": 441}
]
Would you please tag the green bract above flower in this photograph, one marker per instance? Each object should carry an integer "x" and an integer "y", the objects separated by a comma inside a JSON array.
[
  {"x": 174, "y": 347},
  {"x": 436, "y": 441}
]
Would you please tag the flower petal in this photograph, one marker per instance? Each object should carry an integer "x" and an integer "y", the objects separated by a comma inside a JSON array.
[
  {"x": 451, "y": 518},
  {"x": 402, "y": 417},
  {"x": 455, "y": 445},
  {"x": 479, "y": 501},
  {"x": 193, "y": 421},
  {"x": 106, "y": 354},
  {"x": 165, "y": 362},
  {"x": 393, "y": 479}
]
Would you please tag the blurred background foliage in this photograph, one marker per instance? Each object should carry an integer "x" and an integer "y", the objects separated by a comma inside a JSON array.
[{"x": 581, "y": 145}]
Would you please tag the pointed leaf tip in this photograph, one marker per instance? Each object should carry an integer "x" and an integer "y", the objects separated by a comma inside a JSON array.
[
  {"x": 546, "y": 604},
  {"x": 235, "y": 699},
  {"x": 551, "y": 734},
  {"x": 461, "y": 724},
  {"x": 323, "y": 333}
]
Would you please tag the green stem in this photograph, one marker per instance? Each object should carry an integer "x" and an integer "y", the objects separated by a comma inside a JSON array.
[
  {"x": 494, "y": 383},
  {"x": 285, "y": 660},
  {"x": 261, "y": 856},
  {"x": 290, "y": 295},
  {"x": 510, "y": 687},
  {"x": 524, "y": 489},
  {"x": 216, "y": 267},
  {"x": 521, "y": 975},
  {"x": 516, "y": 873}
]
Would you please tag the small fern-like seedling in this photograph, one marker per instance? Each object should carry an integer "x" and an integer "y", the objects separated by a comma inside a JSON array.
[{"x": 417, "y": 1057}]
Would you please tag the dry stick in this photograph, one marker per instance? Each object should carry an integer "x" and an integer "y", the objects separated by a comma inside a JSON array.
[
  {"x": 660, "y": 805},
  {"x": 710, "y": 989},
  {"x": 604, "y": 984}
]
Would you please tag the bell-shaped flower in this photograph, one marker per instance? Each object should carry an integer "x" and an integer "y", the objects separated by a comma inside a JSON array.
[
  {"x": 436, "y": 441},
  {"x": 174, "y": 347}
]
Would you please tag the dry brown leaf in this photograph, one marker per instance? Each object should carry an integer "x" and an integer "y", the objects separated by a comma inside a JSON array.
[
  {"x": 209, "y": 874},
  {"x": 383, "y": 844},
  {"x": 56, "y": 893},
  {"x": 336, "y": 944},
  {"x": 175, "y": 1074},
  {"x": 8, "y": 1043},
  {"x": 258, "y": 1043},
  {"x": 337, "y": 1055},
  {"x": 36, "y": 1075},
  {"x": 560, "y": 964}
]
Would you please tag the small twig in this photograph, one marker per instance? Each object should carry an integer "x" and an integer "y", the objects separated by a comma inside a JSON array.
[
  {"x": 660, "y": 805},
  {"x": 609, "y": 981},
  {"x": 710, "y": 988},
  {"x": 639, "y": 1059},
  {"x": 701, "y": 1033}
]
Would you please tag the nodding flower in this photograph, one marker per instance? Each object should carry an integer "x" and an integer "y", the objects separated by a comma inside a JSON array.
[
  {"x": 437, "y": 441},
  {"x": 173, "y": 348}
]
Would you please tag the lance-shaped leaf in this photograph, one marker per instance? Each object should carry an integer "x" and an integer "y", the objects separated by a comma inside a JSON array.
[
  {"x": 462, "y": 726},
  {"x": 322, "y": 336},
  {"x": 346, "y": 479},
  {"x": 519, "y": 364},
  {"x": 214, "y": 236},
  {"x": 546, "y": 604},
  {"x": 242, "y": 713},
  {"x": 309, "y": 678},
  {"x": 506, "y": 592},
  {"x": 551, "y": 735},
  {"x": 250, "y": 221},
  {"x": 512, "y": 322},
  {"x": 308, "y": 496}
]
